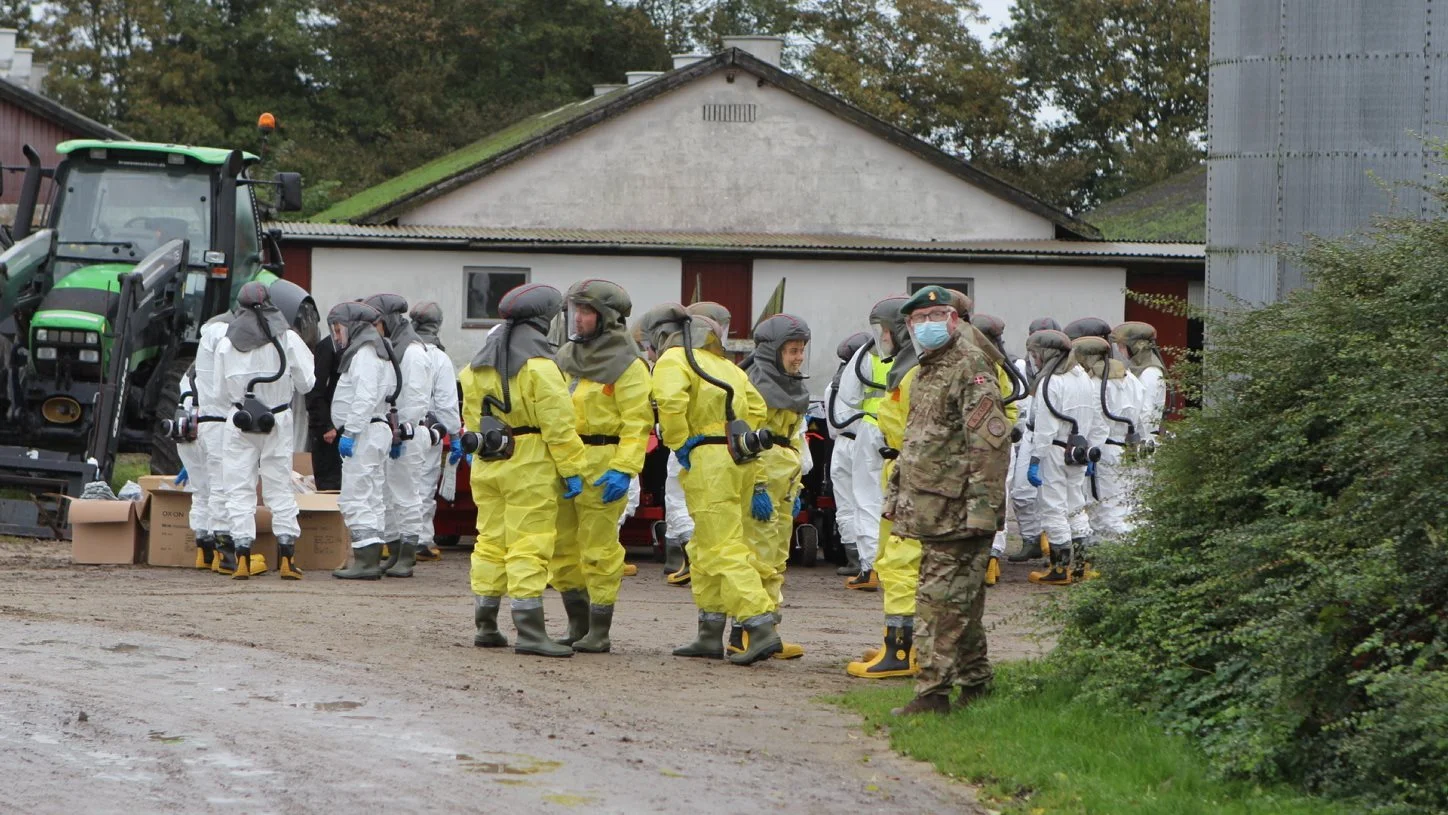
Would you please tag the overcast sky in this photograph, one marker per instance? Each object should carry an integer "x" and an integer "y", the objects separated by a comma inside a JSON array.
[{"x": 999, "y": 13}]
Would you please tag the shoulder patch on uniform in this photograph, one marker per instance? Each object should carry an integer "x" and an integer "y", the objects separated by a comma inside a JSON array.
[
  {"x": 996, "y": 426},
  {"x": 978, "y": 416},
  {"x": 981, "y": 380}
]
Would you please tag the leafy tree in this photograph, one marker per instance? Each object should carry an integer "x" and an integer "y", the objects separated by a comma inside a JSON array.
[{"x": 1128, "y": 79}]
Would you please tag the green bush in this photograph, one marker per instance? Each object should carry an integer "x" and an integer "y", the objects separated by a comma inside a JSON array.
[{"x": 1284, "y": 599}]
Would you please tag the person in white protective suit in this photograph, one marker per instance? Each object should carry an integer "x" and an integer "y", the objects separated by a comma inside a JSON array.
[
  {"x": 185, "y": 431},
  {"x": 261, "y": 366},
  {"x": 444, "y": 410},
  {"x": 406, "y": 459},
  {"x": 1119, "y": 400},
  {"x": 1023, "y": 493},
  {"x": 844, "y": 428},
  {"x": 1137, "y": 342},
  {"x": 359, "y": 408},
  {"x": 209, "y": 511},
  {"x": 1064, "y": 416}
]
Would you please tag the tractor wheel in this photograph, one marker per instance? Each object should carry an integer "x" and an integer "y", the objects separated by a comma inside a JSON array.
[{"x": 164, "y": 458}]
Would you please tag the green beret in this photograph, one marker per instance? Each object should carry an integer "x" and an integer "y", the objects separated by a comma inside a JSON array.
[{"x": 928, "y": 297}]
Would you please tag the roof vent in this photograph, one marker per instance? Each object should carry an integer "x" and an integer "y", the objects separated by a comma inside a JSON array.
[
  {"x": 604, "y": 90},
  {"x": 635, "y": 77},
  {"x": 762, "y": 47},
  {"x": 685, "y": 60},
  {"x": 19, "y": 72},
  {"x": 7, "y": 47}
]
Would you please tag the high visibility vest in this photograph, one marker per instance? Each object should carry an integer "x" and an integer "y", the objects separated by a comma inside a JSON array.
[{"x": 870, "y": 405}]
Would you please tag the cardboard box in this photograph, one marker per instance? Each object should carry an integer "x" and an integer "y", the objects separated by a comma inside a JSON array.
[
  {"x": 167, "y": 511},
  {"x": 104, "y": 532},
  {"x": 324, "y": 544},
  {"x": 302, "y": 464}
]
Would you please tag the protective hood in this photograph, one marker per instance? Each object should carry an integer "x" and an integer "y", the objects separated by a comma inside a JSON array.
[
  {"x": 1054, "y": 348},
  {"x": 427, "y": 322},
  {"x": 557, "y": 331},
  {"x": 528, "y": 310},
  {"x": 1140, "y": 342},
  {"x": 258, "y": 321},
  {"x": 604, "y": 356},
  {"x": 1093, "y": 354},
  {"x": 846, "y": 351},
  {"x": 884, "y": 317},
  {"x": 718, "y": 316},
  {"x": 357, "y": 319},
  {"x": 1088, "y": 327},
  {"x": 662, "y": 327},
  {"x": 781, "y": 390},
  {"x": 393, "y": 308},
  {"x": 994, "y": 329},
  {"x": 899, "y": 328},
  {"x": 1043, "y": 324}
]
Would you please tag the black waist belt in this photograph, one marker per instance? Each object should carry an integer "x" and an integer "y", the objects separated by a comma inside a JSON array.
[
  {"x": 527, "y": 430},
  {"x": 205, "y": 419},
  {"x": 594, "y": 440},
  {"x": 1116, "y": 443},
  {"x": 849, "y": 434},
  {"x": 275, "y": 410},
  {"x": 714, "y": 440}
]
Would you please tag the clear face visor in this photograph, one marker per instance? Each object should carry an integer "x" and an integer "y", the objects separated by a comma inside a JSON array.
[
  {"x": 339, "y": 335},
  {"x": 884, "y": 341},
  {"x": 793, "y": 358},
  {"x": 705, "y": 333},
  {"x": 583, "y": 322}
]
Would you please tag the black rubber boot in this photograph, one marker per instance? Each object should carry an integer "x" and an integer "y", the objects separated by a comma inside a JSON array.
[
  {"x": 363, "y": 565},
  {"x": 673, "y": 556},
  {"x": 1059, "y": 573},
  {"x": 600, "y": 621},
  {"x": 405, "y": 557},
  {"x": 710, "y": 642},
  {"x": 243, "y": 563},
  {"x": 394, "y": 551},
  {"x": 763, "y": 641},
  {"x": 226, "y": 552},
  {"x": 533, "y": 633},
  {"x": 575, "y": 602},
  {"x": 485, "y": 620},
  {"x": 852, "y": 562},
  {"x": 736, "y": 638},
  {"x": 286, "y": 559},
  {"x": 205, "y": 550},
  {"x": 890, "y": 661}
]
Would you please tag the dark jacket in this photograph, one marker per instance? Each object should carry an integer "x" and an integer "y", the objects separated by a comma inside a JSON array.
[{"x": 319, "y": 399}]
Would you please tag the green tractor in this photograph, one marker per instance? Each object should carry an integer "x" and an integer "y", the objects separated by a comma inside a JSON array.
[{"x": 101, "y": 307}]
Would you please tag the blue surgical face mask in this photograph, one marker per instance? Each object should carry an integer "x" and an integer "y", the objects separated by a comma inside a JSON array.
[{"x": 932, "y": 335}]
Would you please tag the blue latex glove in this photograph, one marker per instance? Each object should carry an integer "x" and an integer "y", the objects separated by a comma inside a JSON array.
[
  {"x": 798, "y": 505},
  {"x": 1033, "y": 474},
  {"x": 1091, "y": 469},
  {"x": 682, "y": 454},
  {"x": 573, "y": 486},
  {"x": 395, "y": 452},
  {"x": 456, "y": 453},
  {"x": 182, "y": 479},
  {"x": 346, "y": 446},
  {"x": 762, "y": 507},
  {"x": 615, "y": 485}
]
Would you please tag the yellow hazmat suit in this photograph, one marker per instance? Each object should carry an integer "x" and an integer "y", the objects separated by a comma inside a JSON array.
[
  {"x": 899, "y": 562},
  {"x": 778, "y": 471},
  {"x": 518, "y": 498},
  {"x": 587, "y": 554}
]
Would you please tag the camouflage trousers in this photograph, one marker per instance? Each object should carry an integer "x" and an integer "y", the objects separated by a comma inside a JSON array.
[{"x": 950, "y": 602}]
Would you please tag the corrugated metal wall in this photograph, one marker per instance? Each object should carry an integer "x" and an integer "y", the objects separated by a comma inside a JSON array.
[
  {"x": 19, "y": 127},
  {"x": 1317, "y": 115}
]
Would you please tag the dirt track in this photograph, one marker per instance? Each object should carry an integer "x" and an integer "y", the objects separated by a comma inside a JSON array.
[{"x": 162, "y": 690}]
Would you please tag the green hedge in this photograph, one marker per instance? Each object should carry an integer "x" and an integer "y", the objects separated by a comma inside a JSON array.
[{"x": 1284, "y": 600}]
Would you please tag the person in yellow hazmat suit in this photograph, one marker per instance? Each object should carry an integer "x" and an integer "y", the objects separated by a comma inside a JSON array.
[
  {"x": 780, "y": 346},
  {"x": 521, "y": 427},
  {"x": 710, "y": 414},
  {"x": 611, "y": 391}
]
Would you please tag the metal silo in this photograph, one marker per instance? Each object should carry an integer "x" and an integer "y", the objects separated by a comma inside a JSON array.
[{"x": 1317, "y": 114}]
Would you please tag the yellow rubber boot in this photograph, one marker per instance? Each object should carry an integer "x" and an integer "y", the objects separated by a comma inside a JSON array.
[
  {"x": 428, "y": 553},
  {"x": 257, "y": 565},
  {"x": 629, "y": 570},
  {"x": 895, "y": 659},
  {"x": 993, "y": 571},
  {"x": 1059, "y": 572},
  {"x": 243, "y": 564},
  {"x": 285, "y": 567},
  {"x": 864, "y": 581},
  {"x": 225, "y": 561}
]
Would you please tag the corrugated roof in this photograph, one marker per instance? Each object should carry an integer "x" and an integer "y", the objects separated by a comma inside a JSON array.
[{"x": 481, "y": 237}]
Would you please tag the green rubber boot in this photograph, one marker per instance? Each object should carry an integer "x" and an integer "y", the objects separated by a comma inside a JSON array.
[
  {"x": 405, "y": 558},
  {"x": 533, "y": 632},
  {"x": 365, "y": 564},
  {"x": 762, "y": 641},
  {"x": 710, "y": 642},
  {"x": 673, "y": 555},
  {"x": 852, "y": 561},
  {"x": 485, "y": 619},
  {"x": 575, "y": 602},
  {"x": 600, "y": 620},
  {"x": 394, "y": 551}
]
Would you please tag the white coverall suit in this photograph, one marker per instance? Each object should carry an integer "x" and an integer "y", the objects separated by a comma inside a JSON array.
[
  {"x": 193, "y": 461},
  {"x": 842, "y": 458},
  {"x": 1060, "y": 501},
  {"x": 866, "y": 463},
  {"x": 361, "y": 396},
  {"x": 403, "y": 474},
  {"x": 1016, "y": 469},
  {"x": 444, "y": 406},
  {"x": 1109, "y": 513},
  {"x": 269, "y": 454},
  {"x": 208, "y": 511}
]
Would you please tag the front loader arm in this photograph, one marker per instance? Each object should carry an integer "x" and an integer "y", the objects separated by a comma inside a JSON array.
[{"x": 25, "y": 273}]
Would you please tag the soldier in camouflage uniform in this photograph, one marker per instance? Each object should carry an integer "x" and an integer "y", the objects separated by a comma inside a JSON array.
[{"x": 948, "y": 491}]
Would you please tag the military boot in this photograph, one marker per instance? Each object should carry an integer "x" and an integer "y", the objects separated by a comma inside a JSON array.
[
  {"x": 575, "y": 603},
  {"x": 673, "y": 555},
  {"x": 391, "y": 551},
  {"x": 286, "y": 558},
  {"x": 852, "y": 561},
  {"x": 934, "y": 703},
  {"x": 205, "y": 549},
  {"x": 893, "y": 659},
  {"x": 710, "y": 642},
  {"x": 225, "y": 560},
  {"x": 485, "y": 620},
  {"x": 761, "y": 642},
  {"x": 533, "y": 632},
  {"x": 600, "y": 621},
  {"x": 1033, "y": 549},
  {"x": 1058, "y": 573},
  {"x": 364, "y": 564},
  {"x": 243, "y": 560},
  {"x": 406, "y": 559},
  {"x": 969, "y": 695},
  {"x": 866, "y": 580},
  {"x": 993, "y": 571}
]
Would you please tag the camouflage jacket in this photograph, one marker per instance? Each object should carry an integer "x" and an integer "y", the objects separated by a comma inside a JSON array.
[{"x": 950, "y": 479}]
